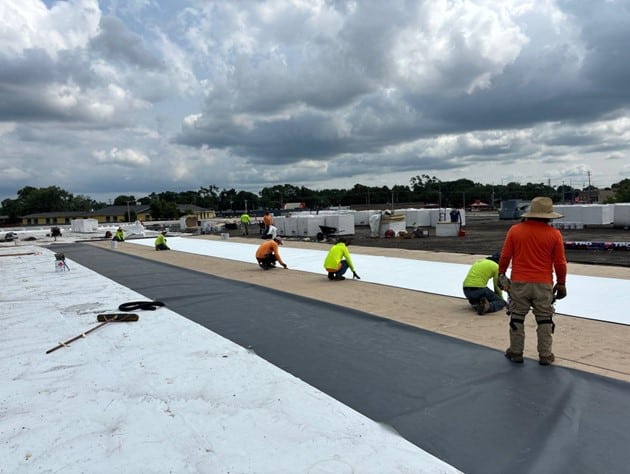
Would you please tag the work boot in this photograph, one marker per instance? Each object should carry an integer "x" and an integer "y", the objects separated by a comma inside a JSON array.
[
  {"x": 483, "y": 306},
  {"x": 514, "y": 356},
  {"x": 340, "y": 277},
  {"x": 546, "y": 360},
  {"x": 331, "y": 276}
]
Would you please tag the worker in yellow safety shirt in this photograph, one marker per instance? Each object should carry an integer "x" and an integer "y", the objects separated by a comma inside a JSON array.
[
  {"x": 119, "y": 236},
  {"x": 481, "y": 298},
  {"x": 245, "y": 221},
  {"x": 160, "y": 242},
  {"x": 338, "y": 261}
]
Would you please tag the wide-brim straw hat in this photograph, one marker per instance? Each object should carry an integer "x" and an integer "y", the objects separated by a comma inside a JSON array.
[{"x": 542, "y": 207}]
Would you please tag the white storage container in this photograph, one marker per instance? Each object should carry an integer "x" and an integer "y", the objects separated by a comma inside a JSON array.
[
  {"x": 84, "y": 225},
  {"x": 280, "y": 222},
  {"x": 362, "y": 217},
  {"x": 308, "y": 225},
  {"x": 587, "y": 214},
  {"x": 416, "y": 217},
  {"x": 290, "y": 227},
  {"x": 344, "y": 223},
  {"x": 447, "y": 229},
  {"x": 621, "y": 214}
]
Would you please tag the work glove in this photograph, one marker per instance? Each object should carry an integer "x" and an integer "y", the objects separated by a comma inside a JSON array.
[
  {"x": 354, "y": 275},
  {"x": 559, "y": 291},
  {"x": 285, "y": 266},
  {"x": 504, "y": 282}
]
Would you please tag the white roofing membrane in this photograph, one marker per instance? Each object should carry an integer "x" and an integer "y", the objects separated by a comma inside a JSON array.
[
  {"x": 163, "y": 394},
  {"x": 603, "y": 299}
]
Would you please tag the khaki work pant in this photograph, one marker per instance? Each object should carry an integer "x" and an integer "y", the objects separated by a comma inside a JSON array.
[{"x": 538, "y": 297}]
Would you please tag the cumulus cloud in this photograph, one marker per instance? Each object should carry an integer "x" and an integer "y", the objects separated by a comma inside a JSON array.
[
  {"x": 30, "y": 25},
  {"x": 125, "y": 157},
  {"x": 116, "y": 42},
  {"x": 252, "y": 94}
]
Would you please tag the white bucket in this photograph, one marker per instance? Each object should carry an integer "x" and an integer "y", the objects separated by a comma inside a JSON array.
[
  {"x": 114, "y": 244},
  {"x": 225, "y": 236}
]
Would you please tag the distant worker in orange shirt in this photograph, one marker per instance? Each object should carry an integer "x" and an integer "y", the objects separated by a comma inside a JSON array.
[
  {"x": 536, "y": 251},
  {"x": 268, "y": 254},
  {"x": 268, "y": 221}
]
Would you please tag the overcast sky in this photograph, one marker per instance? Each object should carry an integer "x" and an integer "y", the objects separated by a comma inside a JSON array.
[{"x": 103, "y": 98}]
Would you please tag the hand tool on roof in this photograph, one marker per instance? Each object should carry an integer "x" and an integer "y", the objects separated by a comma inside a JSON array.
[{"x": 105, "y": 319}]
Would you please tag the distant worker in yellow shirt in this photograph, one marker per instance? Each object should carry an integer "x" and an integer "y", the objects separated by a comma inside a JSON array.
[
  {"x": 338, "y": 261},
  {"x": 160, "y": 241},
  {"x": 119, "y": 236},
  {"x": 245, "y": 221}
]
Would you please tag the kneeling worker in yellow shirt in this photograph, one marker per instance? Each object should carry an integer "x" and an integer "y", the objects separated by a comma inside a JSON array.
[
  {"x": 338, "y": 261},
  {"x": 483, "y": 299}
]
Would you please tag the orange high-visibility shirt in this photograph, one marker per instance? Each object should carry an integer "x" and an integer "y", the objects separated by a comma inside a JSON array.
[
  {"x": 267, "y": 247},
  {"x": 536, "y": 250}
]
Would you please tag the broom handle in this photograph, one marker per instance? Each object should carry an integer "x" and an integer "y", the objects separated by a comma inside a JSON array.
[{"x": 63, "y": 344}]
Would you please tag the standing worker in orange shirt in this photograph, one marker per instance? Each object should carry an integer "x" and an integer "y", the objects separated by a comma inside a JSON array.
[
  {"x": 268, "y": 221},
  {"x": 268, "y": 254},
  {"x": 536, "y": 251}
]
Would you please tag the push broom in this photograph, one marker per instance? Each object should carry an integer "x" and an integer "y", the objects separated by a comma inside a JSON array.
[{"x": 104, "y": 319}]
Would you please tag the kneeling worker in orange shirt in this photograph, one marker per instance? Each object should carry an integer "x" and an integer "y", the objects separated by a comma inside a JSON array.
[{"x": 268, "y": 254}]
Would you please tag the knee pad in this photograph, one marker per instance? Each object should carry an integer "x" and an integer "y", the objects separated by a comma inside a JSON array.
[
  {"x": 514, "y": 321},
  {"x": 547, "y": 321}
]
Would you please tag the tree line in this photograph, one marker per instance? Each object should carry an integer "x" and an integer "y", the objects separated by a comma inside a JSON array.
[{"x": 422, "y": 189}]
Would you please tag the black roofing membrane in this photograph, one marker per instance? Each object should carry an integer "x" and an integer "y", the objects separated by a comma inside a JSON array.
[{"x": 461, "y": 402}]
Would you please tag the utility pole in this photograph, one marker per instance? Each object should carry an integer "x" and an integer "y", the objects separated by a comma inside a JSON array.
[{"x": 590, "y": 195}]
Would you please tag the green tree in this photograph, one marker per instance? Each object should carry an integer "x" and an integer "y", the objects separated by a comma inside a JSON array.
[
  {"x": 122, "y": 200},
  {"x": 83, "y": 203},
  {"x": 622, "y": 191},
  {"x": 161, "y": 209}
]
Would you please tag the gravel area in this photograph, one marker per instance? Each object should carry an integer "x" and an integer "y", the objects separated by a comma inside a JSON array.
[{"x": 485, "y": 234}]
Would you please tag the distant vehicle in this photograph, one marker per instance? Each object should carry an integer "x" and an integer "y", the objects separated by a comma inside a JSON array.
[{"x": 513, "y": 208}]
